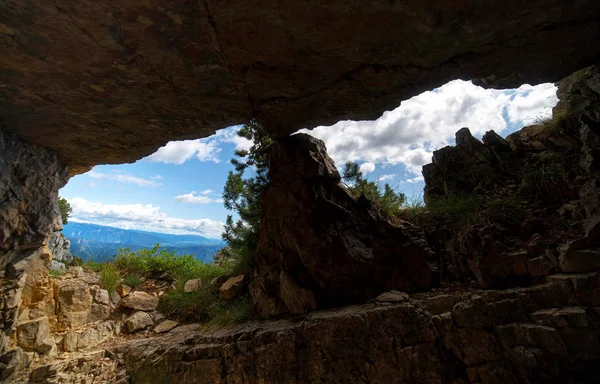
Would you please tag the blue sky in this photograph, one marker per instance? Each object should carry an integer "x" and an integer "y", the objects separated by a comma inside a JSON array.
[{"x": 178, "y": 188}]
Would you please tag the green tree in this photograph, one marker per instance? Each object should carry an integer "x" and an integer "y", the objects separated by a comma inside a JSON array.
[
  {"x": 65, "y": 209},
  {"x": 242, "y": 195},
  {"x": 389, "y": 200}
]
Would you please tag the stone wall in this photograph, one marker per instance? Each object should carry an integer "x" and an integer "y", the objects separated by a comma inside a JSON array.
[{"x": 30, "y": 177}]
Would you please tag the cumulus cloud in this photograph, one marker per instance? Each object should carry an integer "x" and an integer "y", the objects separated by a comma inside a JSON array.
[
  {"x": 178, "y": 152},
  {"x": 140, "y": 216},
  {"x": 207, "y": 149},
  {"x": 367, "y": 167},
  {"x": 409, "y": 134},
  {"x": 193, "y": 198},
  {"x": 123, "y": 178}
]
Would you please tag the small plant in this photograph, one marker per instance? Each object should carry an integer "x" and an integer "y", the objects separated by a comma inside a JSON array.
[
  {"x": 133, "y": 280},
  {"x": 109, "y": 277},
  {"x": 54, "y": 273},
  {"x": 455, "y": 210},
  {"x": 544, "y": 174},
  {"x": 227, "y": 313},
  {"x": 91, "y": 265},
  {"x": 554, "y": 124},
  {"x": 188, "y": 306}
]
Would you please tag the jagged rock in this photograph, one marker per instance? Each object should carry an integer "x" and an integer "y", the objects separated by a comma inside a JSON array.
[
  {"x": 60, "y": 248},
  {"x": 232, "y": 288},
  {"x": 93, "y": 335},
  {"x": 37, "y": 298},
  {"x": 58, "y": 266},
  {"x": 192, "y": 285},
  {"x": 74, "y": 302},
  {"x": 141, "y": 301},
  {"x": 34, "y": 335},
  {"x": 115, "y": 299},
  {"x": 582, "y": 255},
  {"x": 138, "y": 321},
  {"x": 337, "y": 249},
  {"x": 13, "y": 361},
  {"x": 123, "y": 290},
  {"x": 95, "y": 367},
  {"x": 165, "y": 326},
  {"x": 101, "y": 305}
]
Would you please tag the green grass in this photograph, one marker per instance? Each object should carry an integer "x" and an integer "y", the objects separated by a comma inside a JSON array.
[
  {"x": 133, "y": 280},
  {"x": 54, "y": 273},
  {"x": 109, "y": 277},
  {"x": 543, "y": 175},
  {"x": 554, "y": 124},
  {"x": 229, "y": 313},
  {"x": 91, "y": 265},
  {"x": 188, "y": 306}
]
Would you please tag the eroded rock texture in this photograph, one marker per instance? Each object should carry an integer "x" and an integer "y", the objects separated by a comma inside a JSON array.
[
  {"x": 124, "y": 77},
  {"x": 536, "y": 193},
  {"x": 320, "y": 247},
  {"x": 30, "y": 177},
  {"x": 547, "y": 333}
]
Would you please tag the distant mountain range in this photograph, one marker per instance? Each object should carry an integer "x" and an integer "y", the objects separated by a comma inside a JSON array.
[{"x": 100, "y": 243}]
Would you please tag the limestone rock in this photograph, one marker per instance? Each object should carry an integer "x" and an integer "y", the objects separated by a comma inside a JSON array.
[
  {"x": 582, "y": 255},
  {"x": 34, "y": 335},
  {"x": 165, "y": 326},
  {"x": 115, "y": 299},
  {"x": 138, "y": 321},
  {"x": 101, "y": 306},
  {"x": 60, "y": 248},
  {"x": 74, "y": 302},
  {"x": 337, "y": 249},
  {"x": 93, "y": 335},
  {"x": 123, "y": 290},
  {"x": 192, "y": 285},
  {"x": 141, "y": 301},
  {"x": 232, "y": 288},
  {"x": 58, "y": 266},
  {"x": 13, "y": 361}
]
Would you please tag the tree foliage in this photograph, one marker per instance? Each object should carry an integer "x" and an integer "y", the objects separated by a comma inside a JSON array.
[
  {"x": 65, "y": 209},
  {"x": 241, "y": 194},
  {"x": 387, "y": 198}
]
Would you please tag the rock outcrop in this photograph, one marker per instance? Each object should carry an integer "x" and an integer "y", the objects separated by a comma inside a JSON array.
[
  {"x": 182, "y": 70},
  {"x": 30, "y": 177},
  {"x": 320, "y": 247},
  {"x": 538, "y": 189},
  {"x": 61, "y": 252},
  {"x": 541, "y": 334}
]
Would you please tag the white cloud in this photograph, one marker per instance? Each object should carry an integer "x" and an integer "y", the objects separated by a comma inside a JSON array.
[
  {"x": 140, "y": 216},
  {"x": 415, "y": 179},
  {"x": 409, "y": 134},
  {"x": 123, "y": 178},
  {"x": 193, "y": 198},
  {"x": 157, "y": 177},
  {"x": 387, "y": 177},
  {"x": 206, "y": 192},
  {"x": 367, "y": 167},
  {"x": 91, "y": 185},
  {"x": 206, "y": 149},
  {"x": 178, "y": 152}
]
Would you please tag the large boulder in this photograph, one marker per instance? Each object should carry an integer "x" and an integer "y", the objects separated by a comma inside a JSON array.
[
  {"x": 232, "y": 288},
  {"x": 60, "y": 248},
  {"x": 74, "y": 302},
  {"x": 140, "y": 301},
  {"x": 319, "y": 246}
]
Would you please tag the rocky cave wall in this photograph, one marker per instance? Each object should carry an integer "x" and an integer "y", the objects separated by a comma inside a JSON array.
[{"x": 30, "y": 177}]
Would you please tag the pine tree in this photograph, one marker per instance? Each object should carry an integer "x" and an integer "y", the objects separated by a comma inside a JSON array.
[
  {"x": 242, "y": 195},
  {"x": 65, "y": 209}
]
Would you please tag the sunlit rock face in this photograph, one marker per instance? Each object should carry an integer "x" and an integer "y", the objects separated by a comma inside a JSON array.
[
  {"x": 123, "y": 79},
  {"x": 30, "y": 177}
]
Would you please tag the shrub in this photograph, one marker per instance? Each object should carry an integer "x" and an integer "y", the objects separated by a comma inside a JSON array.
[
  {"x": 55, "y": 273},
  {"x": 109, "y": 277},
  {"x": 227, "y": 313},
  {"x": 188, "y": 306}
]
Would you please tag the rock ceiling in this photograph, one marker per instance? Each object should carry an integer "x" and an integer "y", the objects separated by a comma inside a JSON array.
[{"x": 111, "y": 81}]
